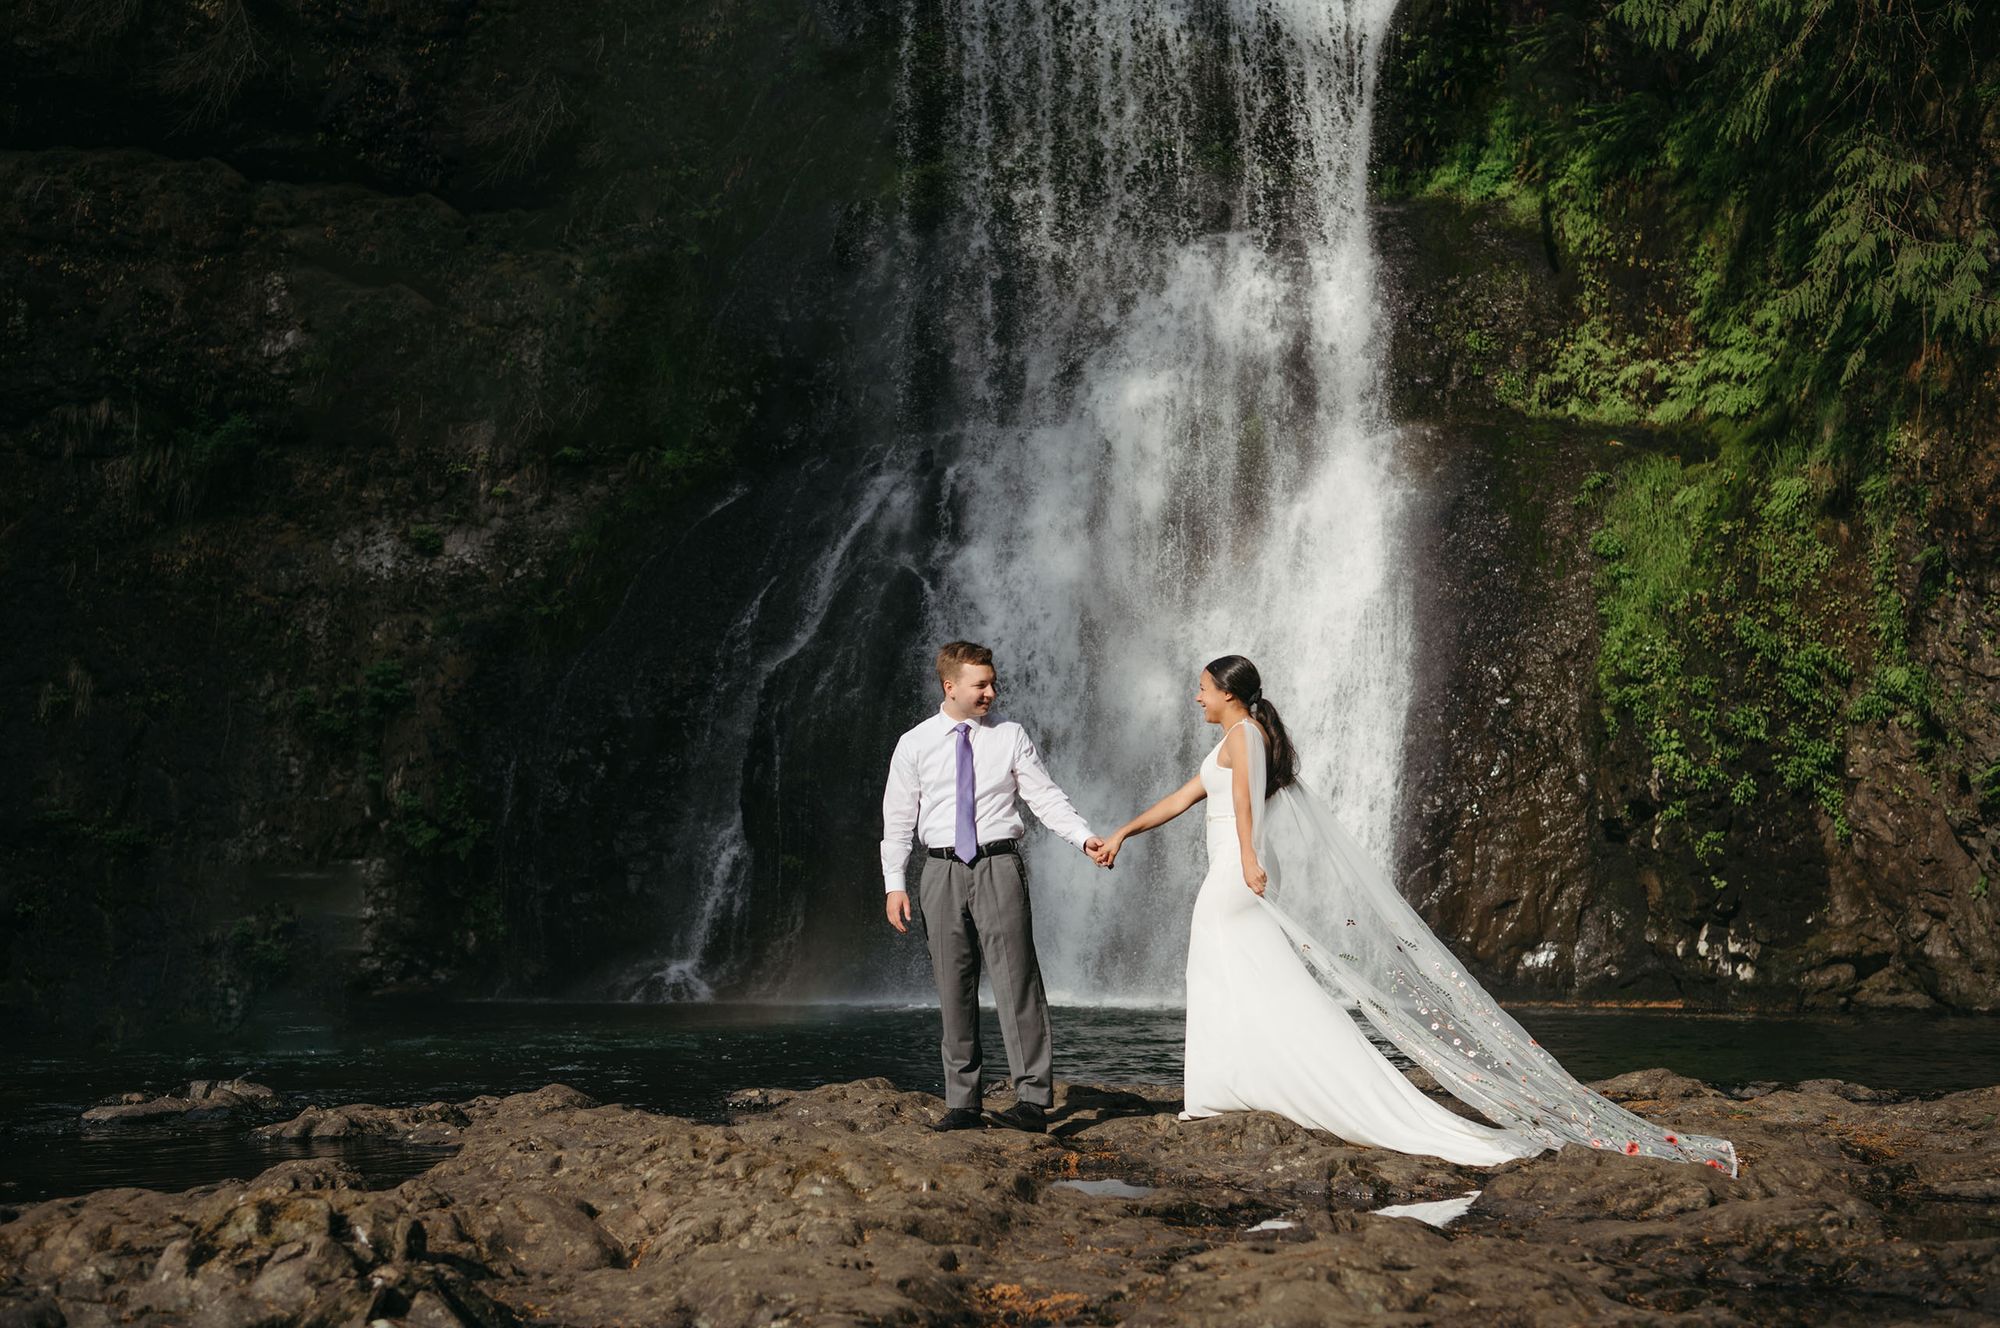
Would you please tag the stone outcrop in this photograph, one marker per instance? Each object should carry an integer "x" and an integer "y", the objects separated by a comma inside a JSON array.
[
  {"x": 378, "y": 380},
  {"x": 1534, "y": 835},
  {"x": 839, "y": 1205},
  {"x": 201, "y": 1099},
  {"x": 433, "y": 1125},
  {"x": 353, "y": 362}
]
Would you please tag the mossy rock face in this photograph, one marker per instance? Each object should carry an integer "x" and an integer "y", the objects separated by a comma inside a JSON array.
[
  {"x": 182, "y": 290},
  {"x": 234, "y": 398},
  {"x": 1779, "y": 713},
  {"x": 1541, "y": 832},
  {"x": 391, "y": 346},
  {"x": 570, "y": 108},
  {"x": 1478, "y": 304}
]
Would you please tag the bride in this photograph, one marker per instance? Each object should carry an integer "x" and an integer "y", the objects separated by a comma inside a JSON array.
[{"x": 1269, "y": 1026}]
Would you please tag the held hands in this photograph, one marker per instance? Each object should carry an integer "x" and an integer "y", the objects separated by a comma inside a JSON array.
[
  {"x": 899, "y": 909},
  {"x": 1254, "y": 875},
  {"x": 1104, "y": 852}
]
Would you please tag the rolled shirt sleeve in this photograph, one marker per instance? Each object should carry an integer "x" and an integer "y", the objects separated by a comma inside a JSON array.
[
  {"x": 900, "y": 804},
  {"x": 1049, "y": 803}
]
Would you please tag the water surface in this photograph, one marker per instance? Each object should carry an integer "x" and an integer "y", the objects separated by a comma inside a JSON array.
[{"x": 685, "y": 1059}]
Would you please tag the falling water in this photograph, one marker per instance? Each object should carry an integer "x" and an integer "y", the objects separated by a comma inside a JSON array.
[
  {"x": 1168, "y": 440},
  {"x": 1136, "y": 425}
]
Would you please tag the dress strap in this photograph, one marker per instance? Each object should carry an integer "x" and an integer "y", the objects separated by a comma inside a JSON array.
[{"x": 1217, "y": 753}]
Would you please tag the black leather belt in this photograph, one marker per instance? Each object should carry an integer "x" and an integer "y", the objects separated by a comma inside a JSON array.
[{"x": 985, "y": 850}]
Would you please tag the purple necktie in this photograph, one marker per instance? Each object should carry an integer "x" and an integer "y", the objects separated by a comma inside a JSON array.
[{"x": 966, "y": 838}]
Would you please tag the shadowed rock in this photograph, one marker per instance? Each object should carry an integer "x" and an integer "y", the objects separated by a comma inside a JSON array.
[
  {"x": 433, "y": 1124},
  {"x": 203, "y": 1097},
  {"x": 839, "y": 1205}
]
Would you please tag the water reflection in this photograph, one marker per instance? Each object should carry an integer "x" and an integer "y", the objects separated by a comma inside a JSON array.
[{"x": 686, "y": 1059}]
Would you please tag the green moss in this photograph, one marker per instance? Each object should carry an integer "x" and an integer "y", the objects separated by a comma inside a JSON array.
[
  {"x": 333, "y": 721},
  {"x": 230, "y": 443},
  {"x": 1898, "y": 688},
  {"x": 1765, "y": 204},
  {"x": 118, "y": 839},
  {"x": 1592, "y": 485},
  {"x": 384, "y": 690},
  {"x": 339, "y": 717},
  {"x": 1762, "y": 209},
  {"x": 441, "y": 823},
  {"x": 175, "y": 474},
  {"x": 260, "y": 949},
  {"x": 1717, "y": 624}
]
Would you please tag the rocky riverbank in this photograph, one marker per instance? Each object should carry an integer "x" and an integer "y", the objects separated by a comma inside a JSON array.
[{"x": 838, "y": 1205}]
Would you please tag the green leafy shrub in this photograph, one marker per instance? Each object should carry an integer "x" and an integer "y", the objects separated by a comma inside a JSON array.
[
  {"x": 1807, "y": 181},
  {"x": 1714, "y": 618},
  {"x": 442, "y": 825},
  {"x": 384, "y": 688},
  {"x": 339, "y": 718},
  {"x": 1776, "y": 219}
]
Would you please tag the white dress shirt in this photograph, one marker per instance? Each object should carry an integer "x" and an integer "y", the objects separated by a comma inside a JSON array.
[{"x": 922, "y": 793}]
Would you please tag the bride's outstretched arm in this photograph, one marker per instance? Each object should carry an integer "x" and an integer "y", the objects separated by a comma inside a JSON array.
[{"x": 1166, "y": 809}]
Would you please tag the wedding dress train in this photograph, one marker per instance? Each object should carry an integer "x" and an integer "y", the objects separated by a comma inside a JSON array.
[{"x": 1268, "y": 1021}]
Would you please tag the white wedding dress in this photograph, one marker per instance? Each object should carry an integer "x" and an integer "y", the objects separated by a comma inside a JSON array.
[{"x": 1269, "y": 1026}]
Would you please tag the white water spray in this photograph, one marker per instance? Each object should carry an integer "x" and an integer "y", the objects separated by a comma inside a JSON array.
[{"x": 1173, "y": 446}]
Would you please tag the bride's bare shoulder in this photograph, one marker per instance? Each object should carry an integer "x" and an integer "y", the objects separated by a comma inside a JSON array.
[{"x": 1222, "y": 748}]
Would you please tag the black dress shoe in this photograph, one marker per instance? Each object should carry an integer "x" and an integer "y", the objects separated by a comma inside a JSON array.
[
  {"x": 958, "y": 1118},
  {"x": 1022, "y": 1116}
]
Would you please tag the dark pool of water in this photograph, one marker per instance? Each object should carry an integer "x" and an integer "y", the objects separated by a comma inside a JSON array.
[{"x": 685, "y": 1059}]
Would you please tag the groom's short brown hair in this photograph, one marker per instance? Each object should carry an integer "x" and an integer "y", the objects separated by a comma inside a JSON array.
[{"x": 954, "y": 655}]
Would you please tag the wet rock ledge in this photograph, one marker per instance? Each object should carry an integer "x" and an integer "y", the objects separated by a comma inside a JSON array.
[{"x": 839, "y": 1206}]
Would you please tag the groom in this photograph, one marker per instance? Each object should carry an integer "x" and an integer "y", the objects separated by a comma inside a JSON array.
[{"x": 952, "y": 781}]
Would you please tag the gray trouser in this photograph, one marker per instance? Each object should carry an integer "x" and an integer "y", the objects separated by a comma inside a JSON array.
[{"x": 979, "y": 912}]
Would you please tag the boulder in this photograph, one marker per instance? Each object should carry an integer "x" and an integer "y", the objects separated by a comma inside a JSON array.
[
  {"x": 201, "y": 1099},
  {"x": 840, "y": 1205}
]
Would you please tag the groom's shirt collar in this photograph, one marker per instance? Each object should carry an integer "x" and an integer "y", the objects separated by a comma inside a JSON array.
[{"x": 978, "y": 722}]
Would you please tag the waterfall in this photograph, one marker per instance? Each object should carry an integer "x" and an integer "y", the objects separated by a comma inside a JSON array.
[
  {"x": 1114, "y": 411},
  {"x": 1164, "y": 440}
]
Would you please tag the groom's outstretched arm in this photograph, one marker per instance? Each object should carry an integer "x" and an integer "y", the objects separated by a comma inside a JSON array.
[
  {"x": 900, "y": 806},
  {"x": 1048, "y": 802}
]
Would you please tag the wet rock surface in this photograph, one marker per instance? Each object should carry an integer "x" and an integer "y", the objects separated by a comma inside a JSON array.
[
  {"x": 201, "y": 1099},
  {"x": 839, "y": 1205},
  {"x": 1537, "y": 834},
  {"x": 364, "y": 357},
  {"x": 435, "y": 1124}
]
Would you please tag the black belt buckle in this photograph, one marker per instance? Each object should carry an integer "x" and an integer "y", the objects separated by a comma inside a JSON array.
[{"x": 994, "y": 849}]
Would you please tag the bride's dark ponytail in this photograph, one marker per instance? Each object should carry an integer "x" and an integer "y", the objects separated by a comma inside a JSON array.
[
  {"x": 1282, "y": 759},
  {"x": 1239, "y": 677}
]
